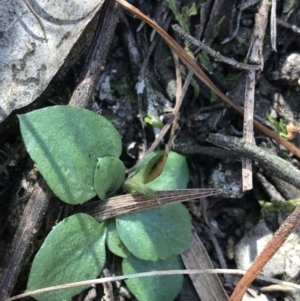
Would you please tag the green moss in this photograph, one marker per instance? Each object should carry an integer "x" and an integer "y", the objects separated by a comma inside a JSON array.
[
  {"x": 217, "y": 27},
  {"x": 279, "y": 206},
  {"x": 231, "y": 78},
  {"x": 153, "y": 121},
  {"x": 213, "y": 97},
  {"x": 280, "y": 125},
  {"x": 183, "y": 15},
  {"x": 125, "y": 88},
  {"x": 205, "y": 60}
]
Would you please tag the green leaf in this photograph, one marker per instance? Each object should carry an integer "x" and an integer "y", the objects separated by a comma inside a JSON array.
[
  {"x": 114, "y": 242},
  {"x": 160, "y": 232},
  {"x": 147, "y": 173},
  {"x": 192, "y": 11},
  {"x": 73, "y": 251},
  {"x": 155, "y": 122},
  {"x": 153, "y": 288},
  {"x": 280, "y": 125},
  {"x": 143, "y": 171},
  {"x": 175, "y": 174},
  {"x": 65, "y": 143},
  {"x": 109, "y": 176},
  {"x": 133, "y": 185},
  {"x": 217, "y": 27},
  {"x": 156, "y": 233}
]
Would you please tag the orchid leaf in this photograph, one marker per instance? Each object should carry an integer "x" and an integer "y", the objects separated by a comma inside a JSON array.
[
  {"x": 114, "y": 242},
  {"x": 65, "y": 143},
  {"x": 73, "y": 251},
  {"x": 159, "y": 233},
  {"x": 153, "y": 288},
  {"x": 109, "y": 176}
]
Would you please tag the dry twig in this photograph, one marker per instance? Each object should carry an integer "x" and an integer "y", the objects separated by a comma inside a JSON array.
[
  {"x": 215, "y": 54},
  {"x": 178, "y": 100},
  {"x": 255, "y": 56},
  {"x": 30, "y": 223},
  {"x": 248, "y": 128},
  {"x": 273, "y": 25},
  {"x": 294, "y": 28},
  {"x": 236, "y": 30}
]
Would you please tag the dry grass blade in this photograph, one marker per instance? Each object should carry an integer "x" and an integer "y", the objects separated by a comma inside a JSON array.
[
  {"x": 102, "y": 210},
  {"x": 147, "y": 274},
  {"x": 208, "y": 286},
  {"x": 186, "y": 59}
]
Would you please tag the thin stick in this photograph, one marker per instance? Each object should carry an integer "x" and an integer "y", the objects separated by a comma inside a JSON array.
[
  {"x": 273, "y": 25},
  {"x": 236, "y": 30},
  {"x": 30, "y": 223},
  {"x": 221, "y": 257},
  {"x": 178, "y": 101},
  {"x": 215, "y": 54},
  {"x": 255, "y": 56},
  {"x": 294, "y": 28},
  {"x": 141, "y": 120},
  {"x": 248, "y": 128}
]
